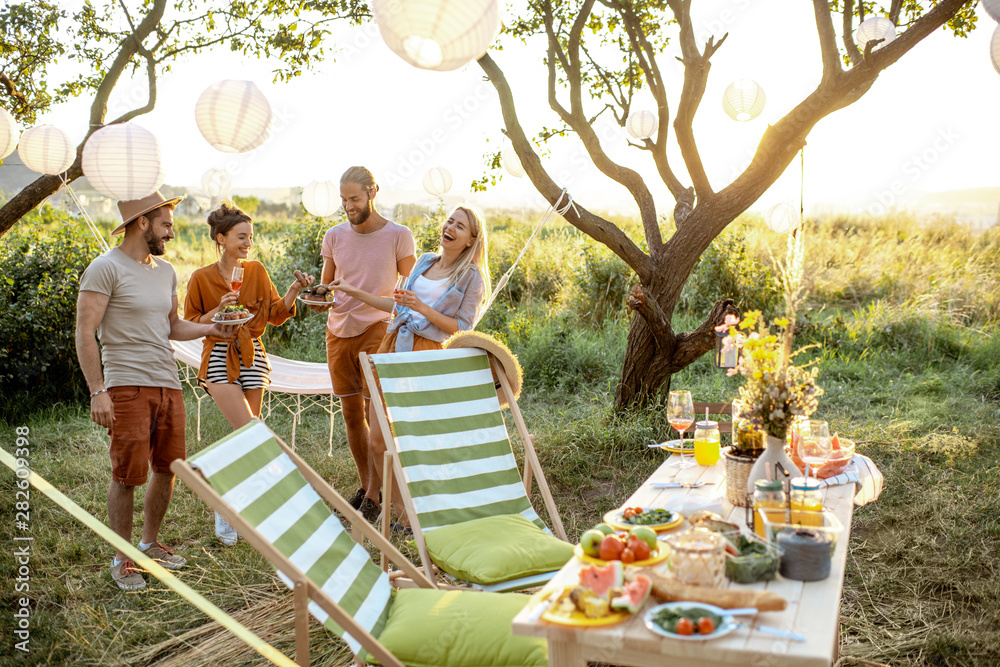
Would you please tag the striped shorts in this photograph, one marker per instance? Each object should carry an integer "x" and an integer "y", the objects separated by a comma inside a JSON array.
[{"x": 257, "y": 376}]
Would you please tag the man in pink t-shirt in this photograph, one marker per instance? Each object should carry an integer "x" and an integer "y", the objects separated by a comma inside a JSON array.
[{"x": 361, "y": 261}]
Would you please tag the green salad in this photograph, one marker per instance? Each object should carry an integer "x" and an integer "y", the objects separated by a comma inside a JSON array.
[
  {"x": 653, "y": 517},
  {"x": 669, "y": 618}
]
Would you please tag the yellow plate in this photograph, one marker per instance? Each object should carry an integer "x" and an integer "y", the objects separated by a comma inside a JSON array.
[
  {"x": 659, "y": 555},
  {"x": 614, "y": 519},
  {"x": 576, "y": 618},
  {"x": 674, "y": 446}
]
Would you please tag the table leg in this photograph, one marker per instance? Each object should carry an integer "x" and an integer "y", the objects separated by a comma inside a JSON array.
[{"x": 565, "y": 654}]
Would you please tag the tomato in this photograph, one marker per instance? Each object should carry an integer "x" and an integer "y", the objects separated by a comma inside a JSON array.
[
  {"x": 611, "y": 548},
  {"x": 628, "y": 513},
  {"x": 628, "y": 556},
  {"x": 685, "y": 626},
  {"x": 705, "y": 626},
  {"x": 639, "y": 548}
]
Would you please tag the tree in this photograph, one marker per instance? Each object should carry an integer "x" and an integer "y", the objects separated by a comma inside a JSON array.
[
  {"x": 109, "y": 45},
  {"x": 575, "y": 32}
]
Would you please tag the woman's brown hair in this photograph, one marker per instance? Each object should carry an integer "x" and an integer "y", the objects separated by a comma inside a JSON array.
[{"x": 224, "y": 218}]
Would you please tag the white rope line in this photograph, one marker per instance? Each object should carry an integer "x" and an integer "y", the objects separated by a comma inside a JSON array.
[
  {"x": 510, "y": 271},
  {"x": 86, "y": 216}
]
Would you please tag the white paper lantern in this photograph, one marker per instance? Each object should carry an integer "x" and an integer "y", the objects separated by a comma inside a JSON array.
[
  {"x": 877, "y": 27},
  {"x": 321, "y": 198},
  {"x": 782, "y": 218},
  {"x": 9, "y": 133},
  {"x": 216, "y": 183},
  {"x": 743, "y": 100},
  {"x": 992, "y": 8},
  {"x": 641, "y": 124},
  {"x": 123, "y": 162},
  {"x": 995, "y": 49},
  {"x": 46, "y": 149},
  {"x": 437, "y": 181},
  {"x": 511, "y": 163},
  {"x": 233, "y": 116},
  {"x": 440, "y": 35}
]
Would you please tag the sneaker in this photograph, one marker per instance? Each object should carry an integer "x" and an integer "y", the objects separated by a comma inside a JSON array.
[
  {"x": 127, "y": 576},
  {"x": 356, "y": 499},
  {"x": 370, "y": 510},
  {"x": 226, "y": 533},
  {"x": 400, "y": 529},
  {"x": 164, "y": 556}
]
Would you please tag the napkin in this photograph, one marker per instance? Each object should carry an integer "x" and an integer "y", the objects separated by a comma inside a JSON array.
[
  {"x": 687, "y": 504},
  {"x": 864, "y": 474}
]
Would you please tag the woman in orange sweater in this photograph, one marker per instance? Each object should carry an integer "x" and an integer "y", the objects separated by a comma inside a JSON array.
[{"x": 235, "y": 371}]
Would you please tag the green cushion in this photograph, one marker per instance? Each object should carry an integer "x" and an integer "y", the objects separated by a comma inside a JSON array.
[
  {"x": 496, "y": 548},
  {"x": 437, "y": 628}
]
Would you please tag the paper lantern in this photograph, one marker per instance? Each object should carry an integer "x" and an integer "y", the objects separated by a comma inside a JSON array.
[
  {"x": 439, "y": 35},
  {"x": 46, "y": 149},
  {"x": 216, "y": 183},
  {"x": 511, "y": 162},
  {"x": 992, "y": 8},
  {"x": 995, "y": 49},
  {"x": 877, "y": 27},
  {"x": 321, "y": 198},
  {"x": 782, "y": 218},
  {"x": 437, "y": 181},
  {"x": 233, "y": 116},
  {"x": 9, "y": 133},
  {"x": 743, "y": 100},
  {"x": 641, "y": 124},
  {"x": 123, "y": 162}
]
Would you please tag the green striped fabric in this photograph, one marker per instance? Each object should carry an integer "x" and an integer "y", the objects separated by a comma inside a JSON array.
[
  {"x": 452, "y": 442},
  {"x": 254, "y": 476}
]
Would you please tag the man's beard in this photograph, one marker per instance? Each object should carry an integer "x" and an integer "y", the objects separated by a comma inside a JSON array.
[
  {"x": 155, "y": 245},
  {"x": 362, "y": 217}
]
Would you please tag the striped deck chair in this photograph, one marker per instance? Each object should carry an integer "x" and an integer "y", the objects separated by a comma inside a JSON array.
[
  {"x": 276, "y": 502},
  {"x": 466, "y": 501}
]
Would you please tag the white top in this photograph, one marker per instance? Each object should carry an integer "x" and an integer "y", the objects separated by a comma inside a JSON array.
[{"x": 429, "y": 291}]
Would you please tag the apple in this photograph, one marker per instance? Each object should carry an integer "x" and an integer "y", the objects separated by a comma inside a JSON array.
[
  {"x": 590, "y": 542},
  {"x": 646, "y": 534},
  {"x": 611, "y": 548},
  {"x": 605, "y": 528}
]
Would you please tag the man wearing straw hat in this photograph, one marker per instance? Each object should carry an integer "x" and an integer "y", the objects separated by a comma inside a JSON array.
[{"x": 128, "y": 299}]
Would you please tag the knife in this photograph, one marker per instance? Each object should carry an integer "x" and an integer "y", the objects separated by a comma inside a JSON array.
[{"x": 677, "y": 485}]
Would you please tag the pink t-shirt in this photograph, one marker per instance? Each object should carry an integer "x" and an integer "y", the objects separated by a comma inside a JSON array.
[{"x": 367, "y": 261}]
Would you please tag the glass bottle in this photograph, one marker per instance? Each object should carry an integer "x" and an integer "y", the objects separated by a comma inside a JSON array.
[
  {"x": 706, "y": 442},
  {"x": 768, "y": 495},
  {"x": 806, "y": 500}
]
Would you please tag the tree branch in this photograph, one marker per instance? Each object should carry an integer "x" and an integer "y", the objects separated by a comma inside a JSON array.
[
  {"x": 12, "y": 90},
  {"x": 644, "y": 303},
  {"x": 853, "y": 54},
  {"x": 827, "y": 39},
  {"x": 897, "y": 6},
  {"x": 590, "y": 224}
]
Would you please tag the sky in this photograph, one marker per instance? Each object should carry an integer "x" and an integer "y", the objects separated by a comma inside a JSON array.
[{"x": 927, "y": 125}]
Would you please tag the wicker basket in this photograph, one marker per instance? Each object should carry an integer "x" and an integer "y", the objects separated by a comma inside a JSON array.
[{"x": 737, "y": 470}]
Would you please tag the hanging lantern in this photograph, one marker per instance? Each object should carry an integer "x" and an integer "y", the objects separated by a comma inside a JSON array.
[
  {"x": 233, "y": 116},
  {"x": 437, "y": 181},
  {"x": 995, "y": 49},
  {"x": 743, "y": 100},
  {"x": 992, "y": 8},
  {"x": 641, "y": 124},
  {"x": 875, "y": 28},
  {"x": 46, "y": 149},
  {"x": 439, "y": 35},
  {"x": 782, "y": 218},
  {"x": 727, "y": 355},
  {"x": 9, "y": 133},
  {"x": 512, "y": 163},
  {"x": 216, "y": 183},
  {"x": 321, "y": 198},
  {"x": 123, "y": 162}
]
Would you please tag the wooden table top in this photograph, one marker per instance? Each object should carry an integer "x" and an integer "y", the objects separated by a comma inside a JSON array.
[{"x": 813, "y": 607}]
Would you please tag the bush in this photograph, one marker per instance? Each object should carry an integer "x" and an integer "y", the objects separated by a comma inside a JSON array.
[{"x": 39, "y": 281}]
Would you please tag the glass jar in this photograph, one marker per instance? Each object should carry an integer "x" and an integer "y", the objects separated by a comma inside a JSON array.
[
  {"x": 698, "y": 558},
  {"x": 769, "y": 495},
  {"x": 806, "y": 500},
  {"x": 706, "y": 443},
  {"x": 747, "y": 440}
]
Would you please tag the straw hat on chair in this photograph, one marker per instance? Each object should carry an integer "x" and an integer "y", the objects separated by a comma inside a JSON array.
[{"x": 497, "y": 350}]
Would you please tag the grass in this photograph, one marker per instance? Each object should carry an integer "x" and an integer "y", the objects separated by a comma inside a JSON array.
[{"x": 908, "y": 362}]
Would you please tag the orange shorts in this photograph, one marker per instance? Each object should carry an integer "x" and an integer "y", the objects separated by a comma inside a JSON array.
[
  {"x": 342, "y": 358},
  {"x": 148, "y": 432},
  {"x": 419, "y": 344}
]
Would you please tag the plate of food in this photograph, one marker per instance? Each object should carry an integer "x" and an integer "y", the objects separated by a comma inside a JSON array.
[
  {"x": 233, "y": 315},
  {"x": 656, "y": 518},
  {"x": 575, "y": 607},
  {"x": 685, "y": 446},
  {"x": 657, "y": 555},
  {"x": 689, "y": 621},
  {"x": 317, "y": 295}
]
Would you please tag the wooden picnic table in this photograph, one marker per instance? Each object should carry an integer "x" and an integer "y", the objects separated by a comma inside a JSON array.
[{"x": 813, "y": 607}]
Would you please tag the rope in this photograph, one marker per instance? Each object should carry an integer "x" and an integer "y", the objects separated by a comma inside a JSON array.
[
  {"x": 86, "y": 216},
  {"x": 510, "y": 271}
]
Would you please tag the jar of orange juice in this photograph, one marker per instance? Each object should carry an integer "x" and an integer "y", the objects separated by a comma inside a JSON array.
[
  {"x": 706, "y": 442},
  {"x": 806, "y": 501},
  {"x": 769, "y": 495}
]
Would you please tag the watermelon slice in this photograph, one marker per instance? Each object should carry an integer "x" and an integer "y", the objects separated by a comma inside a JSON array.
[
  {"x": 634, "y": 595},
  {"x": 602, "y": 579}
]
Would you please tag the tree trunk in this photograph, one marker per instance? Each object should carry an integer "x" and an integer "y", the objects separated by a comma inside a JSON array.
[{"x": 34, "y": 194}]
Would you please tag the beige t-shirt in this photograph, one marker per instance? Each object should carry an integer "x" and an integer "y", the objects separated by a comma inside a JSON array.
[
  {"x": 134, "y": 332},
  {"x": 367, "y": 261}
]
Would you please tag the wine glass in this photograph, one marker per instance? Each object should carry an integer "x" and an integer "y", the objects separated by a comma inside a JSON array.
[
  {"x": 236, "y": 281},
  {"x": 816, "y": 447},
  {"x": 680, "y": 414},
  {"x": 400, "y": 284}
]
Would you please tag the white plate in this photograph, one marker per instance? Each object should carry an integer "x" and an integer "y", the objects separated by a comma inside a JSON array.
[
  {"x": 243, "y": 321},
  {"x": 321, "y": 304},
  {"x": 727, "y": 625}
]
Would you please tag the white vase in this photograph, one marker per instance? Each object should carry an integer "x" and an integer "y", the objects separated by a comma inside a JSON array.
[{"x": 764, "y": 468}]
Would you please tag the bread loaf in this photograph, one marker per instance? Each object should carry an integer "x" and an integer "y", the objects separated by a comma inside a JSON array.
[{"x": 669, "y": 590}]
